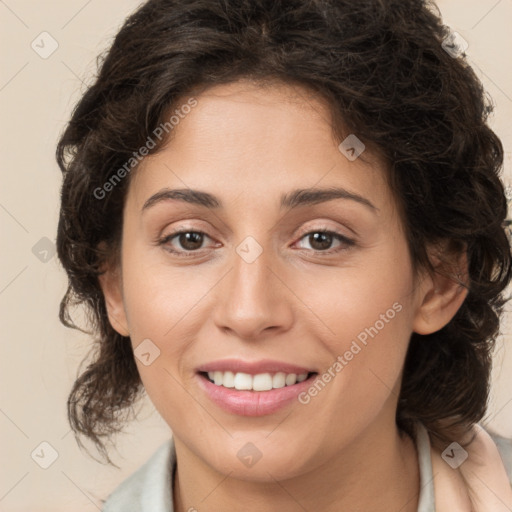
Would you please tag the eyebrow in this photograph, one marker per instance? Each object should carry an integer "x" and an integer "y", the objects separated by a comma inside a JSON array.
[{"x": 293, "y": 199}]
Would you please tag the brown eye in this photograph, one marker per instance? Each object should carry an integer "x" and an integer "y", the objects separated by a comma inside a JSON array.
[
  {"x": 320, "y": 241},
  {"x": 191, "y": 240},
  {"x": 326, "y": 241},
  {"x": 184, "y": 242}
]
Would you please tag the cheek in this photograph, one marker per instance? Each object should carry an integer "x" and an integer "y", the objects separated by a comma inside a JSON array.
[
  {"x": 367, "y": 352},
  {"x": 362, "y": 302},
  {"x": 160, "y": 299},
  {"x": 366, "y": 317},
  {"x": 165, "y": 310}
]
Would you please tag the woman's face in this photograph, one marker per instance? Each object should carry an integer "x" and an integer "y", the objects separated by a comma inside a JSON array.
[{"x": 256, "y": 294}]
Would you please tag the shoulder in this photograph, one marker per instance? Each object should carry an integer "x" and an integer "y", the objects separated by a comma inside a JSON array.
[
  {"x": 505, "y": 448},
  {"x": 471, "y": 477},
  {"x": 148, "y": 488}
]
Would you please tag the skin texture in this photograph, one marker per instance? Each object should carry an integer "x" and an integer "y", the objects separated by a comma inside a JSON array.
[{"x": 247, "y": 145}]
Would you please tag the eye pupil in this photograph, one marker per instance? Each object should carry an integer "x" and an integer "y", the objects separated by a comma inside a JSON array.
[
  {"x": 320, "y": 241},
  {"x": 191, "y": 240}
]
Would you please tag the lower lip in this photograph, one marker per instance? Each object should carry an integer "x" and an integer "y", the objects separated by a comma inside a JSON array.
[{"x": 253, "y": 403}]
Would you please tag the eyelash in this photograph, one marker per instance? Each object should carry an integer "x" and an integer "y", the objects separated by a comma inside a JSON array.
[{"x": 347, "y": 242}]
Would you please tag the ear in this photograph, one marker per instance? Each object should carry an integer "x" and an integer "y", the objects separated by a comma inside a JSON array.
[
  {"x": 442, "y": 291},
  {"x": 111, "y": 285}
]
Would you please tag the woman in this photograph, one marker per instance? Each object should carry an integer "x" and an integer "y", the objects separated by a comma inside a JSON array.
[{"x": 286, "y": 220}]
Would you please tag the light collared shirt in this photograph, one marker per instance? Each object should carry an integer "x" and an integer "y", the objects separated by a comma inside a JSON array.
[{"x": 149, "y": 489}]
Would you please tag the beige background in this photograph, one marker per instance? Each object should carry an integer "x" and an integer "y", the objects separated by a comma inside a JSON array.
[{"x": 39, "y": 357}]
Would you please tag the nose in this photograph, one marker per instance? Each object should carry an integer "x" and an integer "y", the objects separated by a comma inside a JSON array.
[{"x": 253, "y": 300}]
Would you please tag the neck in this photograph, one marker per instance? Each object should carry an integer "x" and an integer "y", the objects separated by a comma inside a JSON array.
[{"x": 378, "y": 471}]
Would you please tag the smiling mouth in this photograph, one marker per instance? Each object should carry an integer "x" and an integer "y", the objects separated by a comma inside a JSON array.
[{"x": 241, "y": 381}]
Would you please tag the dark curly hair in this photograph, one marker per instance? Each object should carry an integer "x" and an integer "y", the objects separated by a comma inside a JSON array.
[{"x": 382, "y": 68}]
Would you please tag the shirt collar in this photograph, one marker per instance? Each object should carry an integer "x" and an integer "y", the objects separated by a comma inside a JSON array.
[{"x": 149, "y": 489}]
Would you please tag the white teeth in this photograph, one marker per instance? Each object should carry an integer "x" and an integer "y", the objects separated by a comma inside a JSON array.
[
  {"x": 217, "y": 378},
  {"x": 291, "y": 379},
  {"x": 243, "y": 381},
  {"x": 228, "y": 380},
  {"x": 279, "y": 380},
  {"x": 260, "y": 382}
]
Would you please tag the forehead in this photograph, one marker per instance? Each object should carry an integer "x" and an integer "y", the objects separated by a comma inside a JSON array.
[{"x": 254, "y": 143}]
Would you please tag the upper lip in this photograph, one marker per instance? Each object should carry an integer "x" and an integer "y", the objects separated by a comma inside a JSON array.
[{"x": 252, "y": 367}]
